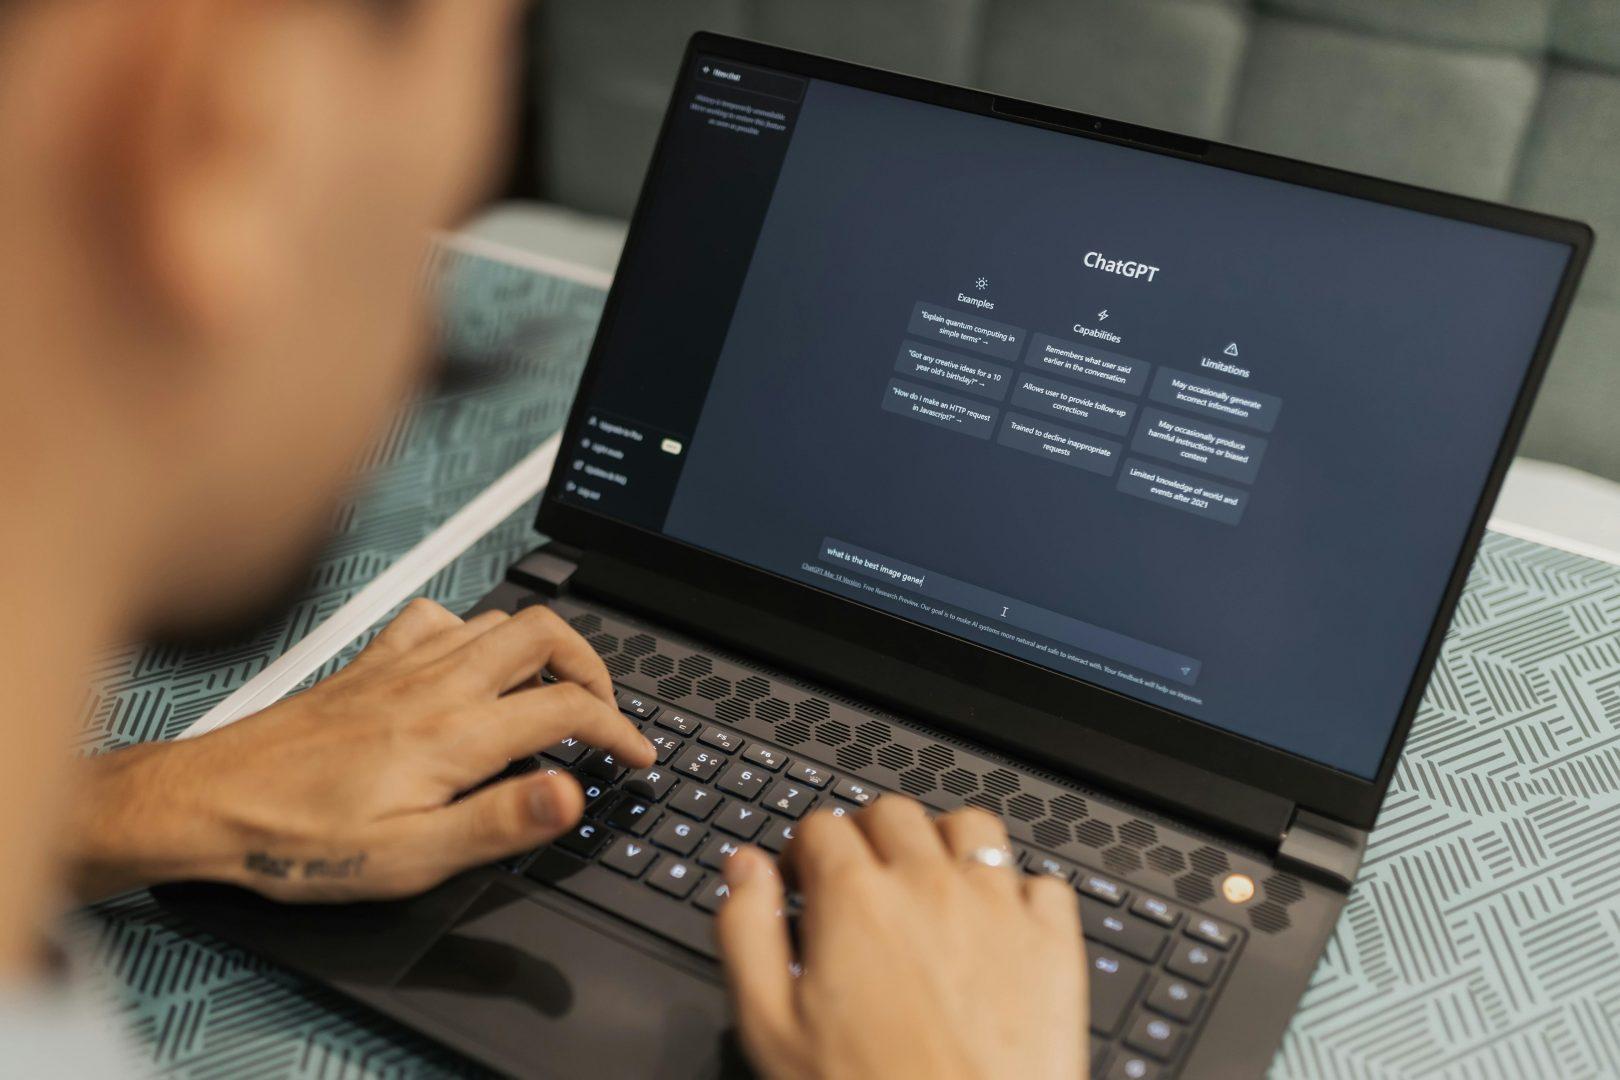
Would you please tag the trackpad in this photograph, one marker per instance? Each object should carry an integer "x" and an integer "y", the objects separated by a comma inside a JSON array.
[{"x": 551, "y": 995}]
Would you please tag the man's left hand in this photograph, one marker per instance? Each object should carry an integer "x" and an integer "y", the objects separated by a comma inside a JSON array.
[{"x": 349, "y": 791}]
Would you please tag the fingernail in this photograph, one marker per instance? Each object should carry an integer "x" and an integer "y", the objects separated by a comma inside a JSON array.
[{"x": 544, "y": 804}]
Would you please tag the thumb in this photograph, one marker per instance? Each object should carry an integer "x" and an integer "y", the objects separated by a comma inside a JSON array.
[
  {"x": 503, "y": 819},
  {"x": 757, "y": 953}
]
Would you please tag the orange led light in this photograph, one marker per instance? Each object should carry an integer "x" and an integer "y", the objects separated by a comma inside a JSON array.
[{"x": 1238, "y": 888}]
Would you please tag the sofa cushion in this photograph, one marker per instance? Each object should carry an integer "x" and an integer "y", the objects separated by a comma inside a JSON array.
[
  {"x": 1572, "y": 165},
  {"x": 1170, "y": 64},
  {"x": 1588, "y": 32},
  {"x": 1520, "y": 25},
  {"x": 605, "y": 74},
  {"x": 936, "y": 39},
  {"x": 1424, "y": 114}
]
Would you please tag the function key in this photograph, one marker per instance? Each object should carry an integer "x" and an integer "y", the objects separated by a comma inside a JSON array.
[
  {"x": 790, "y": 798},
  {"x": 702, "y": 764},
  {"x": 1152, "y": 908},
  {"x": 742, "y": 780},
  {"x": 1194, "y": 961},
  {"x": 629, "y": 856},
  {"x": 764, "y": 755},
  {"x": 713, "y": 896},
  {"x": 855, "y": 791},
  {"x": 568, "y": 751},
  {"x": 1050, "y": 865},
  {"x": 725, "y": 740},
  {"x": 1095, "y": 885},
  {"x": 1175, "y": 998},
  {"x": 695, "y": 802},
  {"x": 636, "y": 705},
  {"x": 677, "y": 722},
  {"x": 1211, "y": 931},
  {"x": 675, "y": 877},
  {"x": 1155, "y": 1035},
  {"x": 814, "y": 775}
]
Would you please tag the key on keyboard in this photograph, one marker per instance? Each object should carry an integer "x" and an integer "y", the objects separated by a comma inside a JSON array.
[{"x": 655, "y": 842}]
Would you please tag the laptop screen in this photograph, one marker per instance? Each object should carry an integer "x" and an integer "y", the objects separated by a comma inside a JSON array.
[{"x": 1200, "y": 437}]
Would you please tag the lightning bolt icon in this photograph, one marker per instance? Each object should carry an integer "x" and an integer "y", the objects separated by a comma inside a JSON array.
[{"x": 1103, "y": 314}]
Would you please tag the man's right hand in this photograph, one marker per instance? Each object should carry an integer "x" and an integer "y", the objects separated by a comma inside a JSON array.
[{"x": 917, "y": 960}]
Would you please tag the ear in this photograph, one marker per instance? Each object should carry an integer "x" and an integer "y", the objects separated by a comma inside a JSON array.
[{"x": 202, "y": 116}]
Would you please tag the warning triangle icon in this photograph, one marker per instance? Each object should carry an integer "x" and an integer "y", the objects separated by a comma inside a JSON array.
[{"x": 1231, "y": 350}]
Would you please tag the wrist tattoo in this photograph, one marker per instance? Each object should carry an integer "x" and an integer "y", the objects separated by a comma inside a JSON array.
[{"x": 267, "y": 865}]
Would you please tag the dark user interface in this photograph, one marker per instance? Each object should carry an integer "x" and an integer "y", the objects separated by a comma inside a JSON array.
[{"x": 1207, "y": 439}]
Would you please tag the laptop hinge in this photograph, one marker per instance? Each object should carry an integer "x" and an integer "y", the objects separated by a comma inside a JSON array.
[
  {"x": 547, "y": 570},
  {"x": 1318, "y": 847}
]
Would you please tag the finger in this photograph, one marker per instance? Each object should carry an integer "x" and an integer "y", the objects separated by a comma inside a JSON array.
[
  {"x": 501, "y": 820},
  {"x": 899, "y": 831},
  {"x": 452, "y": 638},
  {"x": 757, "y": 954},
  {"x": 420, "y": 620},
  {"x": 528, "y": 721},
  {"x": 824, "y": 852},
  {"x": 968, "y": 831},
  {"x": 520, "y": 647},
  {"x": 1053, "y": 903}
]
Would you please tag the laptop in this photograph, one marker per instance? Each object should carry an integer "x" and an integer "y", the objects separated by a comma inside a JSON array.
[{"x": 1118, "y": 482}]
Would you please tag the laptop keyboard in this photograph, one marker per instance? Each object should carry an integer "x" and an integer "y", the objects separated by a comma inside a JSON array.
[{"x": 653, "y": 842}]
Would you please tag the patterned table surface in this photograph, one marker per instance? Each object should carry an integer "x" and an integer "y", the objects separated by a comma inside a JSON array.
[{"x": 1482, "y": 939}]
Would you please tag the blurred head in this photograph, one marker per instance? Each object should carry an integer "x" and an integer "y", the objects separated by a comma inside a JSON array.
[{"x": 215, "y": 216}]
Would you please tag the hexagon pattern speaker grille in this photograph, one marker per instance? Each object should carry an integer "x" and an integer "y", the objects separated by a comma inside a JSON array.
[{"x": 1081, "y": 827}]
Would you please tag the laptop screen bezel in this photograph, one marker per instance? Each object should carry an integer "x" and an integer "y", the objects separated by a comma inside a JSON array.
[{"x": 1306, "y": 783}]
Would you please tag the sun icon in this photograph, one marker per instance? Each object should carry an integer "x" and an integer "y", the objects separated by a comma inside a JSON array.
[{"x": 982, "y": 283}]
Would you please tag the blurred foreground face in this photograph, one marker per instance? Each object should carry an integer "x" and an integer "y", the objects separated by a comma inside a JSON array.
[
  {"x": 219, "y": 210},
  {"x": 401, "y": 106}
]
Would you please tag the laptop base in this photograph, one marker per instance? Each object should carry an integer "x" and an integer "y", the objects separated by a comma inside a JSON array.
[{"x": 565, "y": 964}]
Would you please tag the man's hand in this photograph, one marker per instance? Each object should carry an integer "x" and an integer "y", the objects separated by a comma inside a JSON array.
[
  {"x": 916, "y": 960},
  {"x": 348, "y": 790}
]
